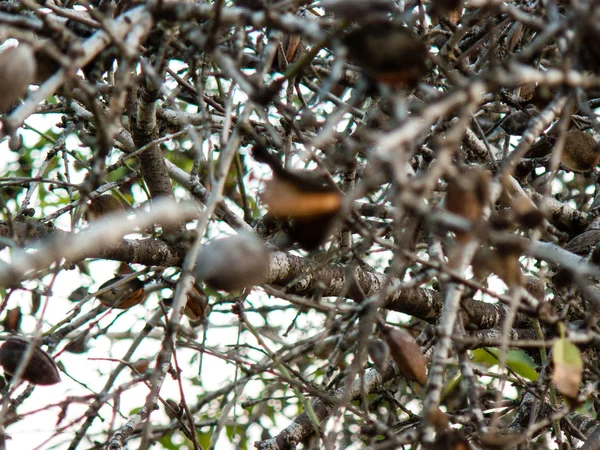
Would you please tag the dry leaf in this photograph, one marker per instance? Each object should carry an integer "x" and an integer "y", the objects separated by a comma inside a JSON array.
[{"x": 568, "y": 367}]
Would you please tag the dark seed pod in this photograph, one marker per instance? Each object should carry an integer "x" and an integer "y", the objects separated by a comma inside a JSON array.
[
  {"x": 233, "y": 263},
  {"x": 357, "y": 9},
  {"x": 379, "y": 352},
  {"x": 255, "y": 5},
  {"x": 78, "y": 294},
  {"x": 288, "y": 52},
  {"x": 40, "y": 368},
  {"x": 196, "y": 307},
  {"x": 141, "y": 365},
  {"x": 534, "y": 286},
  {"x": 12, "y": 321},
  {"x": 305, "y": 201},
  {"x": 407, "y": 354},
  {"x": 17, "y": 72},
  {"x": 516, "y": 123},
  {"x": 78, "y": 345},
  {"x": 389, "y": 53},
  {"x": 102, "y": 206},
  {"x": 582, "y": 244},
  {"x": 448, "y": 9},
  {"x": 581, "y": 152},
  {"x": 124, "y": 295},
  {"x": 467, "y": 195}
]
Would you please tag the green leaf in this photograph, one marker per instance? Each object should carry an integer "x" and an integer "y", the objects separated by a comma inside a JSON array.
[
  {"x": 517, "y": 360},
  {"x": 166, "y": 442}
]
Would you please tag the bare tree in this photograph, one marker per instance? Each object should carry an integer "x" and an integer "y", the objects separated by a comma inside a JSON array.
[{"x": 412, "y": 190}]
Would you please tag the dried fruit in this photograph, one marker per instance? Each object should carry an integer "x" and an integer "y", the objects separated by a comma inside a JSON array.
[
  {"x": 123, "y": 295},
  {"x": 448, "y": 9},
  {"x": 516, "y": 122},
  {"x": 288, "y": 52},
  {"x": 389, "y": 53},
  {"x": 467, "y": 195},
  {"x": 141, "y": 365},
  {"x": 12, "y": 321},
  {"x": 583, "y": 243},
  {"x": 407, "y": 354},
  {"x": 40, "y": 368},
  {"x": 357, "y": 9},
  {"x": 233, "y": 263},
  {"x": 581, "y": 152},
  {"x": 17, "y": 72},
  {"x": 102, "y": 206},
  {"x": 196, "y": 306},
  {"x": 306, "y": 201},
  {"x": 78, "y": 345},
  {"x": 78, "y": 294},
  {"x": 535, "y": 287},
  {"x": 379, "y": 352}
]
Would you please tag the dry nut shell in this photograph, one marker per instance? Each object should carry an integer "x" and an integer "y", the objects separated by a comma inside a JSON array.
[{"x": 40, "y": 368}]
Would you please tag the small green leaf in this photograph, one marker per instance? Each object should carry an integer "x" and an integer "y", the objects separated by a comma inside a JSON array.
[{"x": 516, "y": 360}]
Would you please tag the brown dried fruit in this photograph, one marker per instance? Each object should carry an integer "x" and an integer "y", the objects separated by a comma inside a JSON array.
[
  {"x": 527, "y": 214},
  {"x": 78, "y": 345},
  {"x": 102, "y": 206},
  {"x": 407, "y": 354},
  {"x": 123, "y": 295},
  {"x": 12, "y": 321},
  {"x": 500, "y": 439},
  {"x": 582, "y": 244},
  {"x": 233, "y": 263},
  {"x": 196, "y": 306},
  {"x": 389, "y": 53},
  {"x": 543, "y": 94},
  {"x": 17, "y": 72},
  {"x": 448, "y": 9},
  {"x": 306, "y": 201},
  {"x": 581, "y": 152},
  {"x": 468, "y": 194},
  {"x": 78, "y": 294},
  {"x": 535, "y": 287},
  {"x": 526, "y": 91},
  {"x": 357, "y": 9},
  {"x": 516, "y": 122},
  {"x": 288, "y": 52},
  {"x": 40, "y": 368},
  {"x": 379, "y": 352},
  {"x": 141, "y": 365}
]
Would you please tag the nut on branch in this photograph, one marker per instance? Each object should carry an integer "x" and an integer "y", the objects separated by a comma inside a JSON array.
[
  {"x": 40, "y": 368},
  {"x": 17, "y": 72},
  {"x": 389, "y": 53},
  {"x": 581, "y": 152},
  {"x": 233, "y": 263}
]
